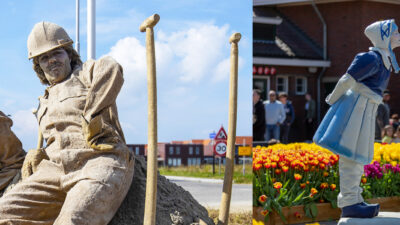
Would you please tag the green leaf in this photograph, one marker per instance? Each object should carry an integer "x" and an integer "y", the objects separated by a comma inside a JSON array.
[
  {"x": 314, "y": 210},
  {"x": 282, "y": 216},
  {"x": 299, "y": 196},
  {"x": 286, "y": 184},
  {"x": 283, "y": 193},
  {"x": 266, "y": 218},
  {"x": 334, "y": 204},
  {"x": 307, "y": 211}
]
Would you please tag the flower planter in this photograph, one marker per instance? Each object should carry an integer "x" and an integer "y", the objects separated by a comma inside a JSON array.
[{"x": 325, "y": 212}]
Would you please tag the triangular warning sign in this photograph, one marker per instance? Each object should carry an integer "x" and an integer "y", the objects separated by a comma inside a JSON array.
[{"x": 221, "y": 135}]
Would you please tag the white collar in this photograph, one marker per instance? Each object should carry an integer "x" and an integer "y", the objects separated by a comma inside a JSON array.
[{"x": 385, "y": 56}]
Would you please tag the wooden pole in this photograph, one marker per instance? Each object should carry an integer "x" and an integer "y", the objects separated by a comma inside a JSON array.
[
  {"x": 40, "y": 135},
  {"x": 151, "y": 181},
  {"x": 230, "y": 154},
  {"x": 40, "y": 140}
]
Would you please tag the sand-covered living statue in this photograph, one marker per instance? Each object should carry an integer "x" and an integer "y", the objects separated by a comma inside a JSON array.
[
  {"x": 84, "y": 172},
  {"x": 86, "y": 168},
  {"x": 11, "y": 154}
]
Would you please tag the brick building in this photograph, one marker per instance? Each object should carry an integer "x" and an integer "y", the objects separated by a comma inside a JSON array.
[
  {"x": 180, "y": 154},
  {"x": 138, "y": 149},
  {"x": 300, "y": 47},
  {"x": 187, "y": 153}
]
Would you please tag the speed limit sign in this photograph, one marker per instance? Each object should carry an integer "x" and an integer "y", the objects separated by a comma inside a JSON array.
[{"x": 220, "y": 148}]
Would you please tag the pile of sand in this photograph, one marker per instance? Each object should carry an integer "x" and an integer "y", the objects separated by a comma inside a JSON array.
[{"x": 174, "y": 204}]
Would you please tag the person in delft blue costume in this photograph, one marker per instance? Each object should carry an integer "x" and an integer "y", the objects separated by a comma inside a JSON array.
[{"x": 348, "y": 128}]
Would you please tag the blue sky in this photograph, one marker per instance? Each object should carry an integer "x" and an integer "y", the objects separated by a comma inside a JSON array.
[{"x": 192, "y": 54}]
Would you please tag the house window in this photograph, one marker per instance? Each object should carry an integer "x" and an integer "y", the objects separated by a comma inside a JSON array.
[
  {"x": 197, "y": 150},
  {"x": 171, "y": 150},
  {"x": 178, "y": 150},
  {"x": 190, "y": 150},
  {"x": 282, "y": 84},
  {"x": 263, "y": 84},
  {"x": 301, "y": 85},
  {"x": 169, "y": 162},
  {"x": 198, "y": 161},
  {"x": 137, "y": 150},
  {"x": 179, "y": 162},
  {"x": 174, "y": 162},
  {"x": 189, "y": 161}
]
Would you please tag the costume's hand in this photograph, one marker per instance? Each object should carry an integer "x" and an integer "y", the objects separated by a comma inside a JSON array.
[
  {"x": 92, "y": 130},
  {"x": 31, "y": 162}
]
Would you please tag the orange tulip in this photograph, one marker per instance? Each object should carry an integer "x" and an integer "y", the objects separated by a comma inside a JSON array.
[
  {"x": 262, "y": 198},
  {"x": 364, "y": 180},
  {"x": 313, "y": 191},
  {"x": 285, "y": 169},
  {"x": 298, "y": 215},
  {"x": 333, "y": 187},
  {"x": 257, "y": 167},
  {"x": 297, "y": 176},
  {"x": 277, "y": 185},
  {"x": 324, "y": 185},
  {"x": 264, "y": 212}
]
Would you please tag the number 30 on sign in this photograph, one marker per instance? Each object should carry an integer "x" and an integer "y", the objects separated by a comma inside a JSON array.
[{"x": 220, "y": 148}]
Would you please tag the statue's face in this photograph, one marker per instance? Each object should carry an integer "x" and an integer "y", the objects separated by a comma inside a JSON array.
[
  {"x": 395, "y": 39},
  {"x": 56, "y": 65}
]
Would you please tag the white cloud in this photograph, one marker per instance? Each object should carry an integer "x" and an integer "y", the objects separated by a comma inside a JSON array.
[
  {"x": 192, "y": 73},
  {"x": 131, "y": 54},
  {"x": 25, "y": 127},
  {"x": 198, "y": 49},
  {"x": 222, "y": 70}
]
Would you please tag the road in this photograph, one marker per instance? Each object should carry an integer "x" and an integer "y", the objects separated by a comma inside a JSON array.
[{"x": 208, "y": 192}]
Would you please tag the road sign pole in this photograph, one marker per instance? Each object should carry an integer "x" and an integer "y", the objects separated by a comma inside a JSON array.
[
  {"x": 213, "y": 158},
  {"x": 220, "y": 165},
  {"x": 244, "y": 157},
  {"x": 244, "y": 169}
]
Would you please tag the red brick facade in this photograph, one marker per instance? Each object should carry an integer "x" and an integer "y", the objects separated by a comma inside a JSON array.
[{"x": 346, "y": 22}]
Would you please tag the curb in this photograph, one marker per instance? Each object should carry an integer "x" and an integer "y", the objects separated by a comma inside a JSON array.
[{"x": 203, "y": 180}]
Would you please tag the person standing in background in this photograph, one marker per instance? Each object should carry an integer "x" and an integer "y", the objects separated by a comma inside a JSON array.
[
  {"x": 385, "y": 100},
  {"x": 274, "y": 116},
  {"x": 310, "y": 115},
  {"x": 388, "y": 134},
  {"x": 258, "y": 116},
  {"x": 382, "y": 119},
  {"x": 395, "y": 121},
  {"x": 289, "y": 110}
]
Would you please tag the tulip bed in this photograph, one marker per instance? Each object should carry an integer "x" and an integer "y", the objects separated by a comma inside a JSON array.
[{"x": 306, "y": 174}]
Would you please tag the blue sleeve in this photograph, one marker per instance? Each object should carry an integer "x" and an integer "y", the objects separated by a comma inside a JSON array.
[{"x": 364, "y": 65}]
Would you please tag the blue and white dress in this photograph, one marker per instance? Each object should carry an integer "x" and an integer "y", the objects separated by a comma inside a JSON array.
[{"x": 348, "y": 128}]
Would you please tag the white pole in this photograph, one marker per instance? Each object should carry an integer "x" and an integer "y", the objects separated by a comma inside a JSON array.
[
  {"x": 77, "y": 27},
  {"x": 244, "y": 157},
  {"x": 220, "y": 165},
  {"x": 91, "y": 29}
]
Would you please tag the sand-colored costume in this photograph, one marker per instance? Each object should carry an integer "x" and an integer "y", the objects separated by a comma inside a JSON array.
[
  {"x": 78, "y": 184},
  {"x": 11, "y": 153}
]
